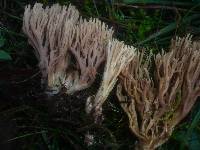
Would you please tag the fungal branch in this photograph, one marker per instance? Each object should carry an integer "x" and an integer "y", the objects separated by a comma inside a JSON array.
[
  {"x": 156, "y": 105},
  {"x": 57, "y": 34},
  {"x": 50, "y": 32},
  {"x": 191, "y": 79},
  {"x": 89, "y": 50},
  {"x": 118, "y": 56}
]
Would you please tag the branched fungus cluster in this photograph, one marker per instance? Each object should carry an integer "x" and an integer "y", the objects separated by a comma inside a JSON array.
[
  {"x": 156, "y": 95},
  {"x": 118, "y": 56},
  {"x": 46, "y": 29},
  {"x": 156, "y": 105},
  {"x": 89, "y": 49},
  {"x": 58, "y": 34}
]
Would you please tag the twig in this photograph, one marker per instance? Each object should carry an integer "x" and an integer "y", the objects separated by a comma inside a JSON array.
[
  {"x": 25, "y": 80},
  {"x": 151, "y": 6},
  {"x": 64, "y": 121},
  {"x": 25, "y": 135},
  {"x": 11, "y": 16}
]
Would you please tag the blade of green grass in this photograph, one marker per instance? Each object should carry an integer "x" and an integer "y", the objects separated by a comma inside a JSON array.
[
  {"x": 194, "y": 124},
  {"x": 186, "y": 139},
  {"x": 13, "y": 110},
  {"x": 25, "y": 135},
  {"x": 11, "y": 16},
  {"x": 169, "y": 28},
  {"x": 5, "y": 30},
  {"x": 163, "y": 2},
  {"x": 4, "y": 56}
]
